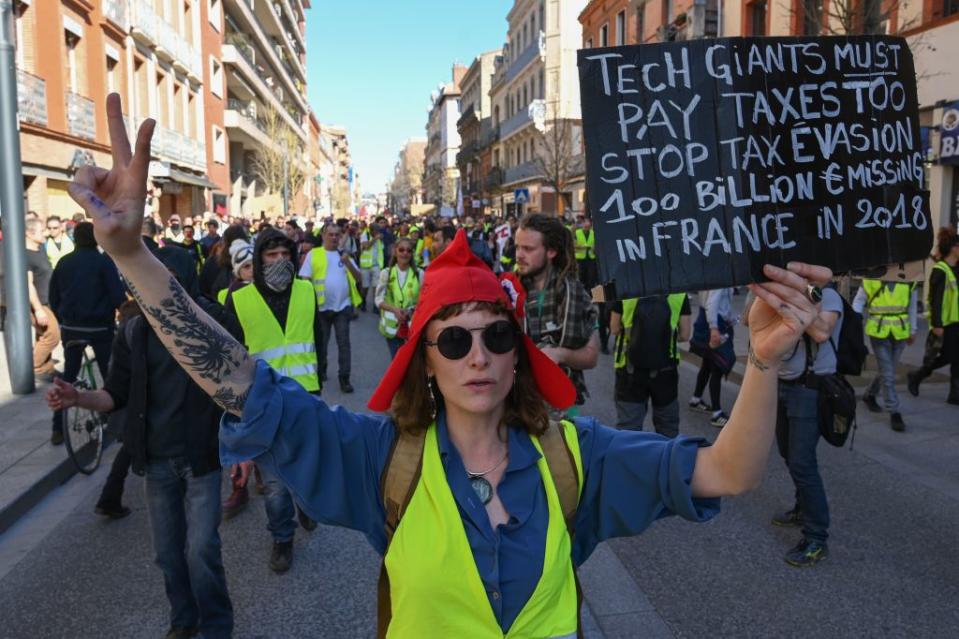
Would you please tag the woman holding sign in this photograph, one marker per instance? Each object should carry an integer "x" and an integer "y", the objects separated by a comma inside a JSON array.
[{"x": 467, "y": 490}]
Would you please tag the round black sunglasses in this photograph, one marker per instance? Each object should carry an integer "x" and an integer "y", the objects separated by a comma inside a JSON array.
[{"x": 455, "y": 342}]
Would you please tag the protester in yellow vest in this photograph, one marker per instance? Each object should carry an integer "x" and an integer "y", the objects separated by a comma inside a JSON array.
[
  {"x": 484, "y": 413},
  {"x": 58, "y": 243},
  {"x": 275, "y": 318},
  {"x": 636, "y": 386},
  {"x": 942, "y": 344},
  {"x": 890, "y": 325},
  {"x": 584, "y": 243},
  {"x": 371, "y": 261},
  {"x": 334, "y": 277},
  {"x": 397, "y": 292}
]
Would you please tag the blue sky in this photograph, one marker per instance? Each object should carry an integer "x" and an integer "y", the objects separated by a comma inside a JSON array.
[{"x": 371, "y": 65}]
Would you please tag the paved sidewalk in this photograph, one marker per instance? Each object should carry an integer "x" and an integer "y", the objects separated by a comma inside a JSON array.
[{"x": 30, "y": 467}]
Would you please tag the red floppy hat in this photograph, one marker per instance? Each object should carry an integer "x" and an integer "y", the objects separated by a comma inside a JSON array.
[{"x": 456, "y": 276}]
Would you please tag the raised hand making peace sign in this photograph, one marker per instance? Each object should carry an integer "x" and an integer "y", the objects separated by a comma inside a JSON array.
[{"x": 115, "y": 199}]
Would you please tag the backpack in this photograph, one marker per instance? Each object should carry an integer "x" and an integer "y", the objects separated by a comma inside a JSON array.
[
  {"x": 851, "y": 351},
  {"x": 651, "y": 335},
  {"x": 402, "y": 474},
  {"x": 835, "y": 402}
]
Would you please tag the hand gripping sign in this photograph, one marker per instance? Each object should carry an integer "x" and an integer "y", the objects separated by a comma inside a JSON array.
[{"x": 707, "y": 159}]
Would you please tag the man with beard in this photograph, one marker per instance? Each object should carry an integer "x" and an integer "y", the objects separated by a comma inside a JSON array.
[
  {"x": 277, "y": 321},
  {"x": 559, "y": 314}
]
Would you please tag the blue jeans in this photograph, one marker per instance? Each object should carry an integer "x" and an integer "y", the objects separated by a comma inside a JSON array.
[
  {"x": 887, "y": 352},
  {"x": 184, "y": 519},
  {"x": 797, "y": 434},
  {"x": 394, "y": 344},
  {"x": 280, "y": 513}
]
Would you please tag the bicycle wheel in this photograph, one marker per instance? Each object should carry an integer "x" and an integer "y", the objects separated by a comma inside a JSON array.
[{"x": 83, "y": 434}]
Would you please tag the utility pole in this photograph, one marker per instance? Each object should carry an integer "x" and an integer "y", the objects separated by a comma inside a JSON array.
[
  {"x": 19, "y": 342},
  {"x": 286, "y": 182}
]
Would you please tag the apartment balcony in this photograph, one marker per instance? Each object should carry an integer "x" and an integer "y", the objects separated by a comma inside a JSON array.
[
  {"x": 488, "y": 133},
  {"x": 81, "y": 116},
  {"x": 515, "y": 123},
  {"x": 174, "y": 147},
  {"x": 31, "y": 98},
  {"x": 470, "y": 112},
  {"x": 241, "y": 57},
  {"x": 117, "y": 12},
  {"x": 241, "y": 117},
  {"x": 467, "y": 153},
  {"x": 167, "y": 40},
  {"x": 519, "y": 64},
  {"x": 522, "y": 172},
  {"x": 494, "y": 179},
  {"x": 143, "y": 22},
  {"x": 251, "y": 24}
]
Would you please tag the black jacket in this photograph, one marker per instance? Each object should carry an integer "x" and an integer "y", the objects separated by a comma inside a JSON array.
[
  {"x": 86, "y": 289},
  {"x": 127, "y": 382}
]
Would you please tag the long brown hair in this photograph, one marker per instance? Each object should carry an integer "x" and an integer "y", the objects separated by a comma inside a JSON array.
[{"x": 525, "y": 407}]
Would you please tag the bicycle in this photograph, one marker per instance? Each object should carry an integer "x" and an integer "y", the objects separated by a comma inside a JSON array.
[{"x": 83, "y": 428}]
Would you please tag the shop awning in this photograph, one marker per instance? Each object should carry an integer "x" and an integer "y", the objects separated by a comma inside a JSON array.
[{"x": 188, "y": 178}]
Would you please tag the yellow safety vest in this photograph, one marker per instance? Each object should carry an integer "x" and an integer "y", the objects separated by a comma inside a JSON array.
[
  {"x": 888, "y": 311},
  {"x": 675, "y": 302},
  {"x": 418, "y": 252},
  {"x": 319, "y": 278},
  {"x": 291, "y": 352},
  {"x": 585, "y": 245},
  {"x": 373, "y": 255},
  {"x": 221, "y": 296},
  {"x": 435, "y": 588},
  {"x": 54, "y": 254},
  {"x": 405, "y": 297},
  {"x": 950, "y": 296}
]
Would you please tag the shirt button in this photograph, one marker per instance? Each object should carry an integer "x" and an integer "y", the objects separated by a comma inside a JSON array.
[{"x": 495, "y": 595}]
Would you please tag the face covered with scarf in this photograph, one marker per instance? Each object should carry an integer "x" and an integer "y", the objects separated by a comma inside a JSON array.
[{"x": 274, "y": 264}]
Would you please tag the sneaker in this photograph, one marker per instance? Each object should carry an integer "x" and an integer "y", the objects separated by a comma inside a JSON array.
[
  {"x": 345, "y": 385},
  {"x": 895, "y": 420},
  {"x": 236, "y": 502},
  {"x": 112, "y": 511},
  {"x": 181, "y": 632},
  {"x": 807, "y": 554},
  {"x": 871, "y": 403},
  {"x": 789, "y": 519},
  {"x": 912, "y": 383},
  {"x": 56, "y": 437},
  {"x": 699, "y": 405},
  {"x": 281, "y": 557},
  {"x": 719, "y": 419},
  {"x": 305, "y": 521}
]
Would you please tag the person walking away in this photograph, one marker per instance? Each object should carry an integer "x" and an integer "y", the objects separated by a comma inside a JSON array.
[
  {"x": 713, "y": 342},
  {"x": 334, "y": 277},
  {"x": 942, "y": 343},
  {"x": 58, "y": 243},
  {"x": 170, "y": 430},
  {"x": 891, "y": 325},
  {"x": 85, "y": 294},
  {"x": 276, "y": 319},
  {"x": 647, "y": 360},
  {"x": 44, "y": 321},
  {"x": 560, "y": 316},
  {"x": 797, "y": 430},
  {"x": 397, "y": 292},
  {"x": 584, "y": 240}
]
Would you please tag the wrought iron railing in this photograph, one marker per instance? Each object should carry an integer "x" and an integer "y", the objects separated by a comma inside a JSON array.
[
  {"x": 81, "y": 116},
  {"x": 31, "y": 98}
]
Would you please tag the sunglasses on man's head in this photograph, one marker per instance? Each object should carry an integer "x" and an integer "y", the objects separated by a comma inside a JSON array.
[{"x": 455, "y": 342}]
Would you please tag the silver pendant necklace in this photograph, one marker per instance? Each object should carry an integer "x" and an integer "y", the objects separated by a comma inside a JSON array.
[{"x": 482, "y": 487}]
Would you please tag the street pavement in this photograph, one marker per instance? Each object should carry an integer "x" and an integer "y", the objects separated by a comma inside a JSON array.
[{"x": 64, "y": 572}]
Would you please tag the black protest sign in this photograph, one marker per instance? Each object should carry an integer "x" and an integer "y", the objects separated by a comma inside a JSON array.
[{"x": 707, "y": 159}]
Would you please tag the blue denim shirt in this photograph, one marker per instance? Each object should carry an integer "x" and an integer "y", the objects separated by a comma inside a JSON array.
[{"x": 333, "y": 459}]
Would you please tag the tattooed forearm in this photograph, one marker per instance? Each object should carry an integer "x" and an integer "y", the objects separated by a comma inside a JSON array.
[
  {"x": 755, "y": 361},
  {"x": 228, "y": 400},
  {"x": 205, "y": 350}
]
